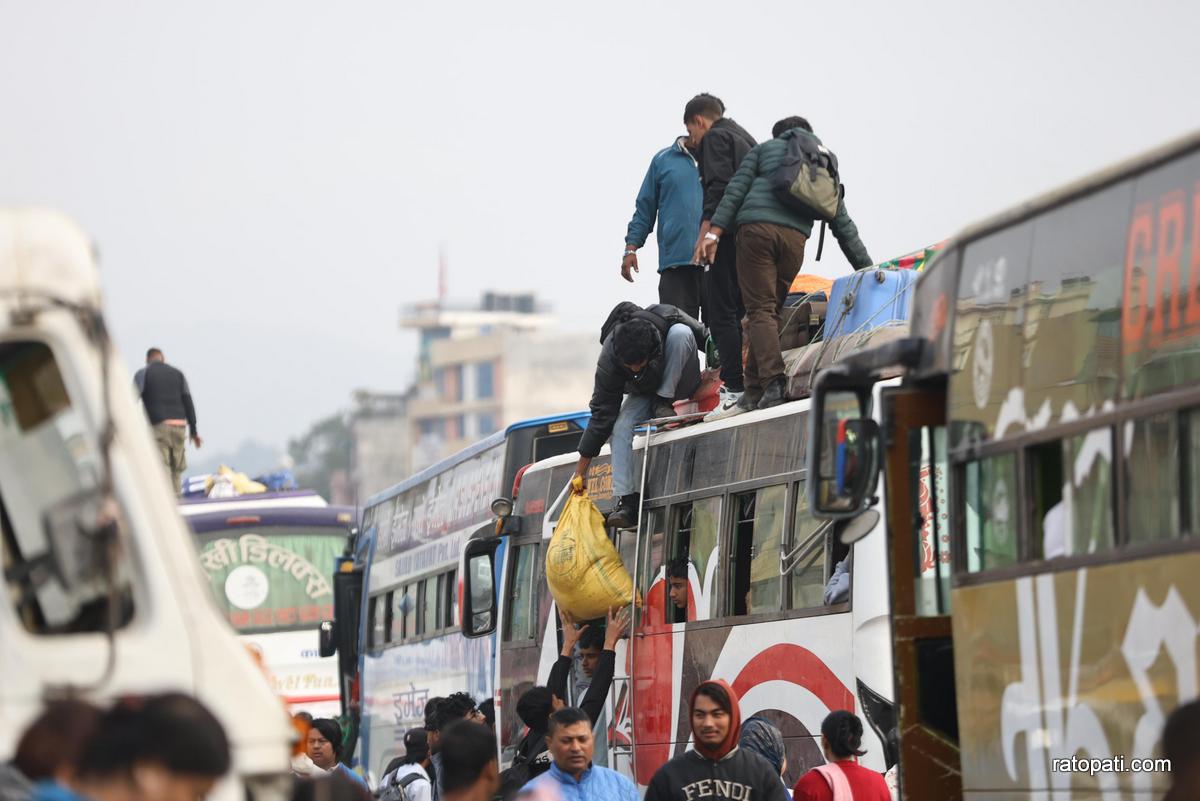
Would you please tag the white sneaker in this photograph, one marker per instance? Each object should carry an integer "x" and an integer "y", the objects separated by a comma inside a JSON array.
[{"x": 727, "y": 406}]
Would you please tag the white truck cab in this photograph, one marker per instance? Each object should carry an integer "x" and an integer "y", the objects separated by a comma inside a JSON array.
[{"x": 103, "y": 591}]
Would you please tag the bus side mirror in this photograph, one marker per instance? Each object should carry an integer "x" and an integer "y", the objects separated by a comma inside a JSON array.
[
  {"x": 328, "y": 645},
  {"x": 843, "y": 458},
  {"x": 479, "y": 588}
]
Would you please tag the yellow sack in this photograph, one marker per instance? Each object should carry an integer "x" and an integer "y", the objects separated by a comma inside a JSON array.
[{"x": 584, "y": 570}]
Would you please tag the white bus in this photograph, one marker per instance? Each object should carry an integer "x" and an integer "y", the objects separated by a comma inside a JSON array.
[
  {"x": 271, "y": 569},
  {"x": 729, "y": 497},
  {"x": 408, "y": 648}
]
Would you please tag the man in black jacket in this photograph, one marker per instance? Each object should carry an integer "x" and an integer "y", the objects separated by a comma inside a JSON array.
[
  {"x": 168, "y": 401},
  {"x": 650, "y": 357},
  {"x": 722, "y": 144},
  {"x": 716, "y": 768}
]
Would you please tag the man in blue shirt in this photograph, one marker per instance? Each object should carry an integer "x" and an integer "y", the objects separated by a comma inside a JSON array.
[
  {"x": 572, "y": 777},
  {"x": 671, "y": 192}
]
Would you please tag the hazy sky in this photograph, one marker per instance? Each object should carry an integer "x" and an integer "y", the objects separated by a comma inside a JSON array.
[{"x": 268, "y": 182}]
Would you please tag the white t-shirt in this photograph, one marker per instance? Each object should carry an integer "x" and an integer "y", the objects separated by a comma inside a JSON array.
[{"x": 419, "y": 789}]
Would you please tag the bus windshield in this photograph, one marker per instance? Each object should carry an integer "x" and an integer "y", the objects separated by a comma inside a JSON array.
[{"x": 272, "y": 578}]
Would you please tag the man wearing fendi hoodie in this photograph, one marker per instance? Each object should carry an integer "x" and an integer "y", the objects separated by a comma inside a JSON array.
[{"x": 716, "y": 768}]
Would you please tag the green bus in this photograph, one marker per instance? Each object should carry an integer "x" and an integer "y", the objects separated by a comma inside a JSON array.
[{"x": 1050, "y": 404}]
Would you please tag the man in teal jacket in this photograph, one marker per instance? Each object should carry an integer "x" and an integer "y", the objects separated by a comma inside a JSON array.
[
  {"x": 770, "y": 250},
  {"x": 670, "y": 192}
]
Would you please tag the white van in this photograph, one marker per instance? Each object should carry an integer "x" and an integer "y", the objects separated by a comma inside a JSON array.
[{"x": 103, "y": 591}]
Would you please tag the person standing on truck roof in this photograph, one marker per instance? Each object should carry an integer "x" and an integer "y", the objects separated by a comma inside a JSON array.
[
  {"x": 671, "y": 193},
  {"x": 649, "y": 357},
  {"x": 721, "y": 144},
  {"x": 770, "y": 250},
  {"x": 716, "y": 768},
  {"x": 168, "y": 401}
]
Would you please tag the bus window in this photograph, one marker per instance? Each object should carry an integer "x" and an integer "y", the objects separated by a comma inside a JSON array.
[
  {"x": 653, "y": 564},
  {"x": 450, "y": 602},
  {"x": 429, "y": 604},
  {"x": 385, "y": 610},
  {"x": 932, "y": 565},
  {"x": 808, "y": 556},
  {"x": 1152, "y": 466},
  {"x": 374, "y": 623},
  {"x": 410, "y": 610},
  {"x": 990, "y": 513},
  {"x": 520, "y": 595},
  {"x": 398, "y": 610},
  {"x": 695, "y": 536},
  {"x": 1072, "y": 496},
  {"x": 754, "y": 581}
]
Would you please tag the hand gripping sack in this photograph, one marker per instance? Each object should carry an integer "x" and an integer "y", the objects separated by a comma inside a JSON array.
[{"x": 583, "y": 569}]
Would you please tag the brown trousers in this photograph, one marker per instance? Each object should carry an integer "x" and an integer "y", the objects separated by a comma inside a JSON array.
[{"x": 768, "y": 259}]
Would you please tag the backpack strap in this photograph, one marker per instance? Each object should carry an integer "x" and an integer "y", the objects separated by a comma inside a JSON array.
[
  {"x": 837, "y": 781},
  {"x": 409, "y": 779},
  {"x": 821, "y": 241}
]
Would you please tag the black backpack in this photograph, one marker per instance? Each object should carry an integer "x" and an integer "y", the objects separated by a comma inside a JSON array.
[
  {"x": 397, "y": 790},
  {"x": 523, "y": 769},
  {"x": 807, "y": 180}
]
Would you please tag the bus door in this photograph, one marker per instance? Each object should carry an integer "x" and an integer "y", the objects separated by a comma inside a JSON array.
[{"x": 919, "y": 576}]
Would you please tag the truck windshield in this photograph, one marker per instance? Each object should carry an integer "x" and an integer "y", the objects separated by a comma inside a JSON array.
[{"x": 272, "y": 578}]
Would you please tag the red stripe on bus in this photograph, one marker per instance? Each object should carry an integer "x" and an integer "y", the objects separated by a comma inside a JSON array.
[{"x": 310, "y": 699}]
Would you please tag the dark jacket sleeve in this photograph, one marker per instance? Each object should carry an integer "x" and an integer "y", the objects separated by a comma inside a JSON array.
[
  {"x": 607, "y": 395},
  {"x": 734, "y": 194},
  {"x": 602, "y": 676},
  {"x": 847, "y": 236},
  {"x": 557, "y": 683},
  {"x": 188, "y": 408},
  {"x": 720, "y": 155},
  {"x": 660, "y": 786},
  {"x": 645, "y": 209},
  {"x": 771, "y": 787}
]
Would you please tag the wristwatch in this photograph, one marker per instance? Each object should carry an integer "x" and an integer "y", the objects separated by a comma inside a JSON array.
[
  {"x": 711, "y": 237},
  {"x": 629, "y": 252}
]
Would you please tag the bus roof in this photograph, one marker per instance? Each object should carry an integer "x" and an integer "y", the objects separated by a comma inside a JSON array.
[
  {"x": 287, "y": 499},
  {"x": 315, "y": 516},
  {"x": 471, "y": 451},
  {"x": 685, "y": 432}
]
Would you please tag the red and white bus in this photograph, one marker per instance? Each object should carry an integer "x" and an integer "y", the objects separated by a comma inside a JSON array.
[{"x": 731, "y": 498}]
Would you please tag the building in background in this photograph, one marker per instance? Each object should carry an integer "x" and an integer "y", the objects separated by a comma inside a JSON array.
[{"x": 479, "y": 368}]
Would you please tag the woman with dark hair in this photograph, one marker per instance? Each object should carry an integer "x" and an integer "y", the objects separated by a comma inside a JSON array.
[
  {"x": 50, "y": 748},
  {"x": 325, "y": 749},
  {"x": 760, "y": 736},
  {"x": 156, "y": 748},
  {"x": 841, "y": 778}
]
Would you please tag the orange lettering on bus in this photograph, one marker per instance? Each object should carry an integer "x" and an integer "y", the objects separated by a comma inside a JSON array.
[
  {"x": 1133, "y": 317},
  {"x": 1170, "y": 248}
]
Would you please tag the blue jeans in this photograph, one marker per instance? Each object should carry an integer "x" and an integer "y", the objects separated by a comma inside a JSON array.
[{"x": 681, "y": 377}]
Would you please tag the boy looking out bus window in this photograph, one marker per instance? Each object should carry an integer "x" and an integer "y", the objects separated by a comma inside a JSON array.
[{"x": 677, "y": 589}]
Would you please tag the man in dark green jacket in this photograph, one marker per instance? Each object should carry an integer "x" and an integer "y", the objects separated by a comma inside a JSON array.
[{"x": 770, "y": 250}]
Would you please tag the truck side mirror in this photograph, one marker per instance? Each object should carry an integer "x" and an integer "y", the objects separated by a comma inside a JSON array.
[
  {"x": 479, "y": 588},
  {"x": 328, "y": 645},
  {"x": 843, "y": 449}
]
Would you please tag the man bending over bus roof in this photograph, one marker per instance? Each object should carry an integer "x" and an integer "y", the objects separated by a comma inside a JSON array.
[{"x": 649, "y": 356}]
